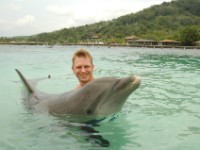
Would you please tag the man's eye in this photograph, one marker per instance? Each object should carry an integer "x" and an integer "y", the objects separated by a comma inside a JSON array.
[
  {"x": 86, "y": 67},
  {"x": 79, "y": 67}
]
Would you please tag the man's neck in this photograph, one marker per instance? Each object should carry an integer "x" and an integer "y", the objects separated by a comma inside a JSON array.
[{"x": 84, "y": 83}]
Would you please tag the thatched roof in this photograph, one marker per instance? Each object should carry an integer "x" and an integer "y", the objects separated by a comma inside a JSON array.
[
  {"x": 197, "y": 42},
  {"x": 169, "y": 41},
  {"x": 145, "y": 40},
  {"x": 132, "y": 38}
]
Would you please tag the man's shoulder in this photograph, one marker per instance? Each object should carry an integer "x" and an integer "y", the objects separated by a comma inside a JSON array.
[{"x": 78, "y": 86}]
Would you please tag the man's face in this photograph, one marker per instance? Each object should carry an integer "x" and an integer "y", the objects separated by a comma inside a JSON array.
[{"x": 83, "y": 69}]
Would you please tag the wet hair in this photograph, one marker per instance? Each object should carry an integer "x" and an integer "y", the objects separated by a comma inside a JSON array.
[{"x": 82, "y": 53}]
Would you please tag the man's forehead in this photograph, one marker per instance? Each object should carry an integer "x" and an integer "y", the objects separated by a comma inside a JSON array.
[{"x": 82, "y": 60}]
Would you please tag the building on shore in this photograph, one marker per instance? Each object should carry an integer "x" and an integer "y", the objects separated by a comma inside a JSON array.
[
  {"x": 197, "y": 43},
  {"x": 145, "y": 42},
  {"x": 95, "y": 39},
  {"x": 131, "y": 39},
  {"x": 169, "y": 43}
]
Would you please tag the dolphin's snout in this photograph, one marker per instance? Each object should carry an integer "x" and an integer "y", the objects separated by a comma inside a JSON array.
[
  {"x": 132, "y": 82},
  {"x": 136, "y": 81},
  {"x": 122, "y": 83}
]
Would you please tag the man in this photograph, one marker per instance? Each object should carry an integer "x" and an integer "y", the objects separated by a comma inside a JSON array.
[{"x": 82, "y": 66}]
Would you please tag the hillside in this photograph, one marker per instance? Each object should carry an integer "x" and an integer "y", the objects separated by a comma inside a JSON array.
[{"x": 158, "y": 22}]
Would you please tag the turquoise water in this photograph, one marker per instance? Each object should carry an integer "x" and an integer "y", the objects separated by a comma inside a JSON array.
[{"x": 163, "y": 114}]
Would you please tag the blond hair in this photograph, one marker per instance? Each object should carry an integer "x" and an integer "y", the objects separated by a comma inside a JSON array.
[{"x": 82, "y": 53}]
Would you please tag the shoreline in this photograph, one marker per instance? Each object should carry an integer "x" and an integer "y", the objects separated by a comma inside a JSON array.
[{"x": 109, "y": 45}]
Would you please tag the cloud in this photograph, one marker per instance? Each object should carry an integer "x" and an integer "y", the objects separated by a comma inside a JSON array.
[
  {"x": 96, "y": 10},
  {"x": 14, "y": 6},
  {"x": 26, "y": 20},
  {"x": 60, "y": 10},
  {"x": 82, "y": 13},
  {"x": 54, "y": 15}
]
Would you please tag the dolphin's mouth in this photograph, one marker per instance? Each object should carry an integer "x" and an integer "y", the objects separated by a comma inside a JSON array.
[
  {"x": 127, "y": 88},
  {"x": 122, "y": 93},
  {"x": 118, "y": 93}
]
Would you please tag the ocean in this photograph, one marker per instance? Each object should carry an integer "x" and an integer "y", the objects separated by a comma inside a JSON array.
[{"x": 162, "y": 114}]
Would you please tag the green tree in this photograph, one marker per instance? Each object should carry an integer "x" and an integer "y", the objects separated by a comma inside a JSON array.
[{"x": 189, "y": 35}]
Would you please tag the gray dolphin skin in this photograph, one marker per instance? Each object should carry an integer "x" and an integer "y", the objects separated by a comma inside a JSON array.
[{"x": 100, "y": 97}]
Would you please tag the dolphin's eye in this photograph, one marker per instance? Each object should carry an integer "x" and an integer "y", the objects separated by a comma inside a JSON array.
[{"x": 89, "y": 112}]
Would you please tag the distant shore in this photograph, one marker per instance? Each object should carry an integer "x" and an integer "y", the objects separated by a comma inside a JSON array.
[{"x": 109, "y": 45}]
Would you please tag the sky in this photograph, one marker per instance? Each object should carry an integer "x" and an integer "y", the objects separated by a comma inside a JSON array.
[{"x": 29, "y": 17}]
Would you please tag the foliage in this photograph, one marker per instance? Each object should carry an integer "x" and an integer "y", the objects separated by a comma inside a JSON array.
[{"x": 189, "y": 35}]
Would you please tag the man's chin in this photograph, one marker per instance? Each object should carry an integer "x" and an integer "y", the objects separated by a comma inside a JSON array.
[{"x": 84, "y": 79}]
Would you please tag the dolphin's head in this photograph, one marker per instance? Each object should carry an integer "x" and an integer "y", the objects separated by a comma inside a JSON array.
[{"x": 105, "y": 96}]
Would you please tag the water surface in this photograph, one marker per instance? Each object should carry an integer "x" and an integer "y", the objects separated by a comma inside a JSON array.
[{"x": 163, "y": 114}]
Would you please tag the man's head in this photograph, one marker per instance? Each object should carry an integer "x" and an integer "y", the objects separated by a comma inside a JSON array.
[{"x": 82, "y": 66}]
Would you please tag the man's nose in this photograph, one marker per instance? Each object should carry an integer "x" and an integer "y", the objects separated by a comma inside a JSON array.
[{"x": 83, "y": 69}]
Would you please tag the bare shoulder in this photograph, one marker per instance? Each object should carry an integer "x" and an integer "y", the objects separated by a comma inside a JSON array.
[{"x": 78, "y": 86}]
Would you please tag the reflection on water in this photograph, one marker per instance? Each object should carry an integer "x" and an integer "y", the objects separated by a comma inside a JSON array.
[{"x": 162, "y": 114}]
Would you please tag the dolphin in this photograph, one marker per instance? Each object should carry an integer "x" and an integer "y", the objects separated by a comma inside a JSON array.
[{"x": 100, "y": 97}]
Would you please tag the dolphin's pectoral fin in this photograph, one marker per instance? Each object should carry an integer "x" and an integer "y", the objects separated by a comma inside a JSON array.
[
  {"x": 90, "y": 134},
  {"x": 94, "y": 136},
  {"x": 95, "y": 122}
]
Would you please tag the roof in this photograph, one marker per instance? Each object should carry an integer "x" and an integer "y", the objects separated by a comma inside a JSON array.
[
  {"x": 169, "y": 41},
  {"x": 131, "y": 38},
  {"x": 145, "y": 40}
]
